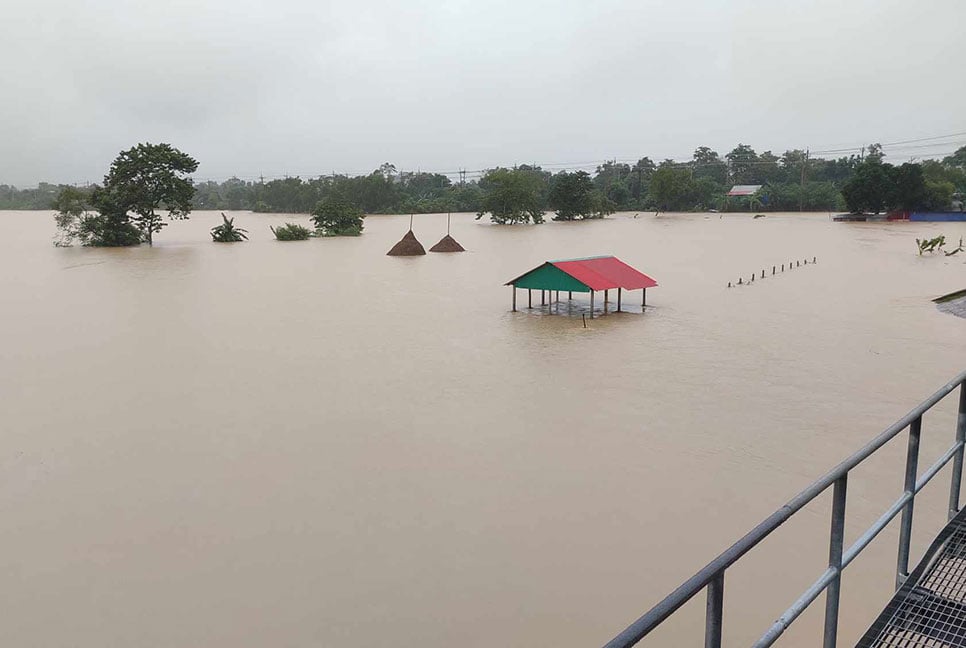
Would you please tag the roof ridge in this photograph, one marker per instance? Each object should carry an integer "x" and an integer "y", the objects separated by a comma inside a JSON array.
[{"x": 601, "y": 256}]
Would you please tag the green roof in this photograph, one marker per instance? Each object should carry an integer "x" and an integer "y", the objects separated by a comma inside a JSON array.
[{"x": 550, "y": 277}]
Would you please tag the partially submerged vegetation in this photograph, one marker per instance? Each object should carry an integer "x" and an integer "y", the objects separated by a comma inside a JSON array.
[
  {"x": 878, "y": 186},
  {"x": 127, "y": 209},
  {"x": 792, "y": 181},
  {"x": 227, "y": 232},
  {"x": 291, "y": 232},
  {"x": 936, "y": 245},
  {"x": 337, "y": 216}
]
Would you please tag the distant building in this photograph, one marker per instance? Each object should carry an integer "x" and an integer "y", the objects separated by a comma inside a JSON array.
[{"x": 744, "y": 190}]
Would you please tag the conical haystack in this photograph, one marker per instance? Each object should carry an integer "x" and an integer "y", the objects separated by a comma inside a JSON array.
[
  {"x": 447, "y": 244},
  {"x": 407, "y": 246}
]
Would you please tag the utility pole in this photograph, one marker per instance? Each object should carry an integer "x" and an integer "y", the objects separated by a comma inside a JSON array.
[{"x": 801, "y": 193}]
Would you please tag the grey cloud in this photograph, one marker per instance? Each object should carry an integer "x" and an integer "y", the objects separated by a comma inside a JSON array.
[{"x": 312, "y": 87}]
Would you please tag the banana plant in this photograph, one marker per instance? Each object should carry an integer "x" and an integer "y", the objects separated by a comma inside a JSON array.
[{"x": 227, "y": 232}]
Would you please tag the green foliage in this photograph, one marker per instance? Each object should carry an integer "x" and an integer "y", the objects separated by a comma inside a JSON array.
[
  {"x": 707, "y": 164},
  {"x": 621, "y": 186},
  {"x": 870, "y": 189},
  {"x": 571, "y": 195},
  {"x": 512, "y": 196},
  {"x": 938, "y": 195},
  {"x": 933, "y": 244},
  {"x": 878, "y": 186},
  {"x": 76, "y": 220},
  {"x": 291, "y": 232},
  {"x": 122, "y": 211},
  {"x": 227, "y": 232},
  {"x": 40, "y": 197},
  {"x": 337, "y": 216},
  {"x": 743, "y": 165},
  {"x": 671, "y": 189},
  {"x": 146, "y": 179}
]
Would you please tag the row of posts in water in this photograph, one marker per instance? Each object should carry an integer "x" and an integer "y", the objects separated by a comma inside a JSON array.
[{"x": 774, "y": 270}]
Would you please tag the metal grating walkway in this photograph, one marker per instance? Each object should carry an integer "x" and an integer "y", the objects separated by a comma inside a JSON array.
[{"x": 929, "y": 610}]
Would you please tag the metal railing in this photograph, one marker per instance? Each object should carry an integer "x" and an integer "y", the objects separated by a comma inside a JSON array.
[{"x": 711, "y": 577}]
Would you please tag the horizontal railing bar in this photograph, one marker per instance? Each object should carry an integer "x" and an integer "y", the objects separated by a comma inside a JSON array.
[
  {"x": 792, "y": 613},
  {"x": 870, "y": 533},
  {"x": 686, "y": 591},
  {"x": 863, "y": 541}
]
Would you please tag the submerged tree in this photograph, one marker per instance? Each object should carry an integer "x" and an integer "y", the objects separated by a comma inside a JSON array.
[
  {"x": 870, "y": 189},
  {"x": 337, "y": 216},
  {"x": 150, "y": 178},
  {"x": 573, "y": 196},
  {"x": 511, "y": 196},
  {"x": 90, "y": 218},
  {"x": 125, "y": 210},
  {"x": 227, "y": 232}
]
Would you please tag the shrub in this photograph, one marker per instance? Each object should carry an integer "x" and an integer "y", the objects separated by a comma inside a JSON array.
[
  {"x": 336, "y": 216},
  {"x": 291, "y": 232}
]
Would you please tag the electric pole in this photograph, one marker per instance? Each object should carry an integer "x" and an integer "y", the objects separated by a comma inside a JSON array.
[{"x": 801, "y": 192}]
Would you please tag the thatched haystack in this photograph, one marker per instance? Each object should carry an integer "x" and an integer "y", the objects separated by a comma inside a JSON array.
[
  {"x": 407, "y": 246},
  {"x": 447, "y": 244}
]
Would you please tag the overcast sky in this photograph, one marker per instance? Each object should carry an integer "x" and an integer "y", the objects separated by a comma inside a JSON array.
[{"x": 307, "y": 87}]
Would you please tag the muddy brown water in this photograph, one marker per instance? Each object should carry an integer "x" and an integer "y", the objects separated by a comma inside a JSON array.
[{"x": 314, "y": 444}]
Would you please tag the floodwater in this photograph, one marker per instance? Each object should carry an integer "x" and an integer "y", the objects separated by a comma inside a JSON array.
[{"x": 314, "y": 444}]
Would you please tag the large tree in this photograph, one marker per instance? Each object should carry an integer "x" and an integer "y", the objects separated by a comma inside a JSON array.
[
  {"x": 511, "y": 196},
  {"x": 573, "y": 196},
  {"x": 147, "y": 180},
  {"x": 871, "y": 188},
  {"x": 141, "y": 183},
  {"x": 708, "y": 164},
  {"x": 743, "y": 162},
  {"x": 671, "y": 189}
]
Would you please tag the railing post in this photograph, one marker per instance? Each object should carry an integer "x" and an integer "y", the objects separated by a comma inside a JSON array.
[
  {"x": 713, "y": 615},
  {"x": 905, "y": 524},
  {"x": 958, "y": 458},
  {"x": 836, "y": 541}
]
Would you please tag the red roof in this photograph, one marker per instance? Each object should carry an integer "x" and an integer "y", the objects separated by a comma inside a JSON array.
[{"x": 604, "y": 273}]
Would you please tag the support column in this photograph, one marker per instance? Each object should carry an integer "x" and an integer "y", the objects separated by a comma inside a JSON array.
[
  {"x": 543, "y": 297},
  {"x": 514, "y": 299},
  {"x": 643, "y": 298},
  {"x": 619, "y": 299},
  {"x": 529, "y": 298},
  {"x": 605, "y": 300},
  {"x": 591, "y": 304}
]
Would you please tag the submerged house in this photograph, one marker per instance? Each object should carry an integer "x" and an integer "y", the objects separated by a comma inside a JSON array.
[{"x": 752, "y": 193}]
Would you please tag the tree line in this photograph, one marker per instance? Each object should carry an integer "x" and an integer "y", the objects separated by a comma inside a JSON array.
[
  {"x": 151, "y": 181},
  {"x": 794, "y": 181}
]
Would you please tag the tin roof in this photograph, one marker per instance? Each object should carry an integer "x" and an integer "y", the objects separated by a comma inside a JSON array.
[
  {"x": 744, "y": 190},
  {"x": 584, "y": 275}
]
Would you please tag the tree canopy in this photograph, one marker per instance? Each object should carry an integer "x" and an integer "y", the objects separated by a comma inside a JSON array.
[
  {"x": 512, "y": 196},
  {"x": 148, "y": 178},
  {"x": 574, "y": 197},
  {"x": 337, "y": 216},
  {"x": 879, "y": 186},
  {"x": 523, "y": 193},
  {"x": 124, "y": 210}
]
